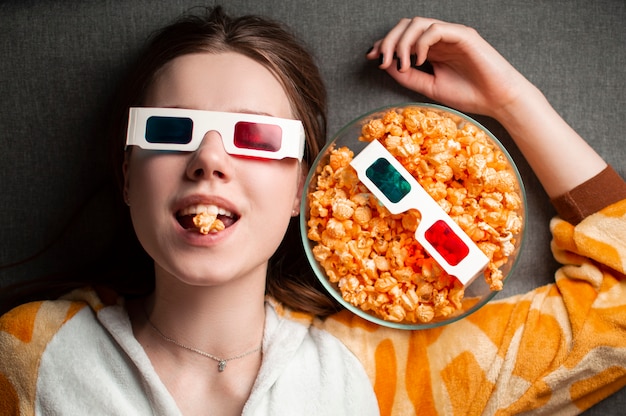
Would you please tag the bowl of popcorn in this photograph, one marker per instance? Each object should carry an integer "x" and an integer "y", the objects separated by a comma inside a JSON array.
[{"x": 413, "y": 216}]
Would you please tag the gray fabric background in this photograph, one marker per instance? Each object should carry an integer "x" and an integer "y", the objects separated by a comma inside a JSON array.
[{"x": 60, "y": 60}]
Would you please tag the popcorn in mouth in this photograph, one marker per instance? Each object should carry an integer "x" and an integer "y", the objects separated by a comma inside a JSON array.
[{"x": 205, "y": 218}]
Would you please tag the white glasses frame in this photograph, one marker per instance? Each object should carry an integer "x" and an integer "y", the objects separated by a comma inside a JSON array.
[{"x": 292, "y": 139}]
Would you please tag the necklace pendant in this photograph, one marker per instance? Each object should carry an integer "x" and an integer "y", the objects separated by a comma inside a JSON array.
[{"x": 221, "y": 366}]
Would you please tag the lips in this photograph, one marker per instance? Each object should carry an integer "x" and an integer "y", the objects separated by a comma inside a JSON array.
[{"x": 185, "y": 215}]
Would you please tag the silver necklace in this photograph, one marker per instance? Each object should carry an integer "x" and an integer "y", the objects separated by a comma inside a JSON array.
[{"x": 221, "y": 362}]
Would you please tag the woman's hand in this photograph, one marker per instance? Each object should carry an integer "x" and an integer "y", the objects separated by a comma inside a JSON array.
[{"x": 469, "y": 74}]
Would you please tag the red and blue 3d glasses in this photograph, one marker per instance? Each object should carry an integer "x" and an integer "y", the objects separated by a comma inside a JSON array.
[{"x": 182, "y": 130}]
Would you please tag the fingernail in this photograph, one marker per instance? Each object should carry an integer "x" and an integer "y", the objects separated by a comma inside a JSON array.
[{"x": 381, "y": 59}]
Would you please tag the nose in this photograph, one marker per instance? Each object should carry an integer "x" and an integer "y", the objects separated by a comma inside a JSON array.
[{"x": 210, "y": 160}]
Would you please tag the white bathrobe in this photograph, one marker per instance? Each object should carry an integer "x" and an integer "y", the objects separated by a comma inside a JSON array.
[{"x": 93, "y": 365}]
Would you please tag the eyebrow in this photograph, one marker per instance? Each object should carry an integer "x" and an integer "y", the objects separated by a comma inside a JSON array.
[{"x": 248, "y": 111}]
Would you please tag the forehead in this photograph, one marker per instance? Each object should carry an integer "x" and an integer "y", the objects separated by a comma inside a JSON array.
[{"x": 225, "y": 81}]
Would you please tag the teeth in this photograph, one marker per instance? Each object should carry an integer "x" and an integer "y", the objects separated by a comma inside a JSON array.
[{"x": 209, "y": 209}]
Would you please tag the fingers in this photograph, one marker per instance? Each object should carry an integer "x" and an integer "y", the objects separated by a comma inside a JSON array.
[
  {"x": 400, "y": 45},
  {"x": 389, "y": 47},
  {"x": 409, "y": 43}
]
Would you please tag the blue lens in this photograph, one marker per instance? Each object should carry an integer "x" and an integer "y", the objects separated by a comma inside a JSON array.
[
  {"x": 174, "y": 130},
  {"x": 388, "y": 180}
]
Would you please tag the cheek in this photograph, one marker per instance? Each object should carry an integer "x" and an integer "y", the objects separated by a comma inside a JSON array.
[{"x": 275, "y": 190}]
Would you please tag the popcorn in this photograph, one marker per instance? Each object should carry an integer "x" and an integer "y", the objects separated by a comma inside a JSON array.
[
  {"x": 207, "y": 221},
  {"x": 372, "y": 255}
]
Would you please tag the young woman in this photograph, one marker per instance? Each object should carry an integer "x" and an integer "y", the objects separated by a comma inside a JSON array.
[{"x": 230, "y": 328}]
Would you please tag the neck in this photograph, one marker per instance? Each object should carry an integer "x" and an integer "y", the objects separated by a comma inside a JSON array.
[{"x": 224, "y": 320}]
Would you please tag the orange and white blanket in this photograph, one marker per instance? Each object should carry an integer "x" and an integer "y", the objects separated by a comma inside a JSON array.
[{"x": 556, "y": 350}]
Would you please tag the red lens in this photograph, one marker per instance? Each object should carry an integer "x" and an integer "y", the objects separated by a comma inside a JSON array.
[
  {"x": 446, "y": 242},
  {"x": 257, "y": 136}
]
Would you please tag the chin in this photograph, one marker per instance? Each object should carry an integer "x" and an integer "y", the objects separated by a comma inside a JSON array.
[{"x": 215, "y": 275}]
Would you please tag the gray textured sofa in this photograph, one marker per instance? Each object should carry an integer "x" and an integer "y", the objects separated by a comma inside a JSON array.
[{"x": 60, "y": 60}]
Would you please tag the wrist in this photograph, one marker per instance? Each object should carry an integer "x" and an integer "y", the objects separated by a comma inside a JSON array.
[{"x": 526, "y": 104}]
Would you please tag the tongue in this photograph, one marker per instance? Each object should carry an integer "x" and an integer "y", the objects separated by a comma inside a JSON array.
[
  {"x": 228, "y": 221},
  {"x": 186, "y": 221}
]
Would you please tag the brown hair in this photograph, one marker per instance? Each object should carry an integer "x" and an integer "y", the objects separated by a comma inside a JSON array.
[{"x": 290, "y": 279}]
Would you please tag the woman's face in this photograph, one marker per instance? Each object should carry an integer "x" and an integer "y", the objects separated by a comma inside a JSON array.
[{"x": 258, "y": 195}]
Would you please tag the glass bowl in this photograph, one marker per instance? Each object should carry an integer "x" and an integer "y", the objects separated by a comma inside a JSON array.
[{"x": 369, "y": 260}]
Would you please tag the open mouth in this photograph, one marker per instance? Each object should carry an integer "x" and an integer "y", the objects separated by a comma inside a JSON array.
[{"x": 185, "y": 217}]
